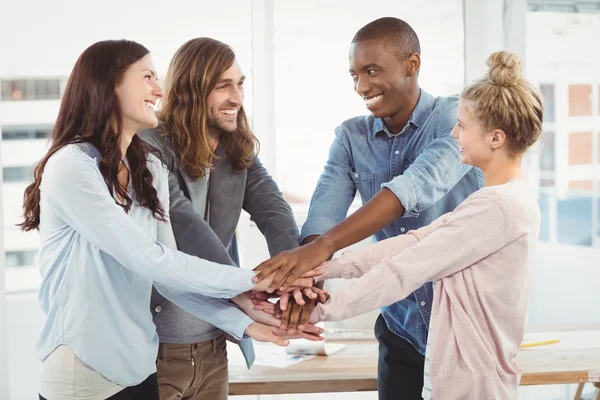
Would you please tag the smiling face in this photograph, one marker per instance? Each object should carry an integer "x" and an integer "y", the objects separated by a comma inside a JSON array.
[
  {"x": 475, "y": 144},
  {"x": 380, "y": 78},
  {"x": 225, "y": 100},
  {"x": 138, "y": 93}
]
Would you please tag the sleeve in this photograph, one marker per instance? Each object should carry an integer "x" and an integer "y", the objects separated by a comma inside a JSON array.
[
  {"x": 75, "y": 190},
  {"x": 219, "y": 312},
  {"x": 268, "y": 209},
  {"x": 334, "y": 193},
  {"x": 354, "y": 264},
  {"x": 475, "y": 230},
  {"x": 435, "y": 171}
]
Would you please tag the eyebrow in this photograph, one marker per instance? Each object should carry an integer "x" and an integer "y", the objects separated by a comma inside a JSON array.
[
  {"x": 229, "y": 80},
  {"x": 366, "y": 67}
]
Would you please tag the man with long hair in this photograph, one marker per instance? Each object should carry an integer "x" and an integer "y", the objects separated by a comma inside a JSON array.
[{"x": 205, "y": 140}]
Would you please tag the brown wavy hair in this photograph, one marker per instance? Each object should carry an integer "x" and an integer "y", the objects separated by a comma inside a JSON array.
[
  {"x": 89, "y": 113},
  {"x": 193, "y": 73}
]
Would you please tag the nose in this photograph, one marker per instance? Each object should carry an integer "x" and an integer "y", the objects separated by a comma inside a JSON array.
[
  {"x": 454, "y": 132},
  {"x": 157, "y": 90},
  {"x": 237, "y": 95},
  {"x": 361, "y": 86}
]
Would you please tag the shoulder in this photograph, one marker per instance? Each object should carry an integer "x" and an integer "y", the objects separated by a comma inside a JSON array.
[
  {"x": 355, "y": 127},
  {"x": 444, "y": 113},
  {"x": 74, "y": 154},
  {"x": 157, "y": 167}
]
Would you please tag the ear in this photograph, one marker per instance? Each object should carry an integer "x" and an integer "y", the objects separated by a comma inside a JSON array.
[
  {"x": 413, "y": 64},
  {"x": 497, "y": 138}
]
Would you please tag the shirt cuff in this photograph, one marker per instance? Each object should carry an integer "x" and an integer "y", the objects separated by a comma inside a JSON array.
[
  {"x": 404, "y": 190},
  {"x": 316, "y": 226},
  {"x": 240, "y": 328},
  {"x": 333, "y": 269}
]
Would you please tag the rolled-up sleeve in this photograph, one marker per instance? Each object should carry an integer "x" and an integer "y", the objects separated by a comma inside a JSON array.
[
  {"x": 435, "y": 171},
  {"x": 334, "y": 193}
]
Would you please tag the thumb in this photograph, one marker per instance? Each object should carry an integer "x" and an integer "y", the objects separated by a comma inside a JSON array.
[{"x": 279, "y": 341}]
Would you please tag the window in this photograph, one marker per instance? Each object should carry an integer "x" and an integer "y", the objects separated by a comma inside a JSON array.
[
  {"x": 31, "y": 89},
  {"x": 20, "y": 258},
  {"x": 25, "y": 133},
  {"x": 17, "y": 174},
  {"x": 570, "y": 156}
]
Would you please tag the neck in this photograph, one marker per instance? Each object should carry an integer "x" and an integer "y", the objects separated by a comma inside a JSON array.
[
  {"x": 126, "y": 137},
  {"x": 214, "y": 135},
  {"x": 501, "y": 171},
  {"x": 398, "y": 121}
]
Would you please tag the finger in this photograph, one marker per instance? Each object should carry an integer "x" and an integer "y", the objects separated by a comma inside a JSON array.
[
  {"x": 295, "y": 317},
  {"x": 266, "y": 303},
  {"x": 285, "y": 316},
  {"x": 310, "y": 328},
  {"x": 298, "y": 297},
  {"x": 280, "y": 277},
  {"x": 310, "y": 336},
  {"x": 277, "y": 311},
  {"x": 313, "y": 272},
  {"x": 260, "y": 295},
  {"x": 278, "y": 340},
  {"x": 284, "y": 301},
  {"x": 299, "y": 335},
  {"x": 303, "y": 282},
  {"x": 308, "y": 292},
  {"x": 267, "y": 268}
]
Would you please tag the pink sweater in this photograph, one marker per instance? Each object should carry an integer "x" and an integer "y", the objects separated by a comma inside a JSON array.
[{"x": 481, "y": 257}]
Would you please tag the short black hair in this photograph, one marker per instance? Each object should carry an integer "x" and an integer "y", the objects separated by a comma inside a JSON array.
[{"x": 399, "y": 38}]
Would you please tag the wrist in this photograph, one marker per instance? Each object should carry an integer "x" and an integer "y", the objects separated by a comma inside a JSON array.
[{"x": 326, "y": 243}]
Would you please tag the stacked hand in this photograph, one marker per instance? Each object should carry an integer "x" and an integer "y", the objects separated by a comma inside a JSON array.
[
  {"x": 267, "y": 327},
  {"x": 287, "y": 267}
]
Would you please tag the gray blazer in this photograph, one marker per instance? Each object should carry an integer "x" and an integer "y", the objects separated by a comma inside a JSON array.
[{"x": 229, "y": 192}]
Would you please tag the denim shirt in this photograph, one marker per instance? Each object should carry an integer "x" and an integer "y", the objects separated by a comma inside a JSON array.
[{"x": 421, "y": 165}]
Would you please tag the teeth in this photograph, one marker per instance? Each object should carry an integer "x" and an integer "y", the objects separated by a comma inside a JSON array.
[
  {"x": 373, "y": 100},
  {"x": 149, "y": 105},
  {"x": 229, "y": 112}
]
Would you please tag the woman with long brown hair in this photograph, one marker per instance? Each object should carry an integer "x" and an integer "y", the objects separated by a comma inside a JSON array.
[{"x": 101, "y": 201}]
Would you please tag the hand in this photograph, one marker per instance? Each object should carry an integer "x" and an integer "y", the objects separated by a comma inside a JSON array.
[
  {"x": 260, "y": 300},
  {"x": 305, "y": 280},
  {"x": 296, "y": 316},
  {"x": 264, "y": 333},
  {"x": 292, "y": 264},
  {"x": 314, "y": 337},
  {"x": 245, "y": 302},
  {"x": 312, "y": 293}
]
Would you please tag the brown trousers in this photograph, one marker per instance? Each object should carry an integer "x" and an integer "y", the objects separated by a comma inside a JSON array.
[{"x": 193, "y": 371}]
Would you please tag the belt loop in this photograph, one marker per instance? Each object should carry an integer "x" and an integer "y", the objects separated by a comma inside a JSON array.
[
  {"x": 162, "y": 351},
  {"x": 214, "y": 345}
]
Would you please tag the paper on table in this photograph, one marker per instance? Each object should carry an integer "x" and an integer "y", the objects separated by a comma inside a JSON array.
[
  {"x": 274, "y": 356},
  {"x": 320, "y": 348}
]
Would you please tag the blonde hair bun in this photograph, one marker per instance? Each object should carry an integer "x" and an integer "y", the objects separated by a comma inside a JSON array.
[{"x": 505, "y": 69}]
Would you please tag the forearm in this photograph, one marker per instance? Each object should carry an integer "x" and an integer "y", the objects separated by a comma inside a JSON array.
[{"x": 376, "y": 214}]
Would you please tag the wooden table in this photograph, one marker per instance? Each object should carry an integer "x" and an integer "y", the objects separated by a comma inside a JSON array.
[{"x": 576, "y": 359}]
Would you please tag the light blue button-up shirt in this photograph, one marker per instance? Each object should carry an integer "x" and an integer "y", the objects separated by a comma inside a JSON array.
[
  {"x": 421, "y": 165},
  {"x": 98, "y": 265}
]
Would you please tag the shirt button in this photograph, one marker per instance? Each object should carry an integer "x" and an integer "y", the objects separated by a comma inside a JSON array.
[
  {"x": 157, "y": 309},
  {"x": 397, "y": 152},
  {"x": 356, "y": 175},
  {"x": 402, "y": 229},
  {"x": 422, "y": 304}
]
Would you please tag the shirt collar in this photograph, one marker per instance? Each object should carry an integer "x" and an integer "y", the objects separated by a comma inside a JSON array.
[{"x": 417, "y": 118}]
